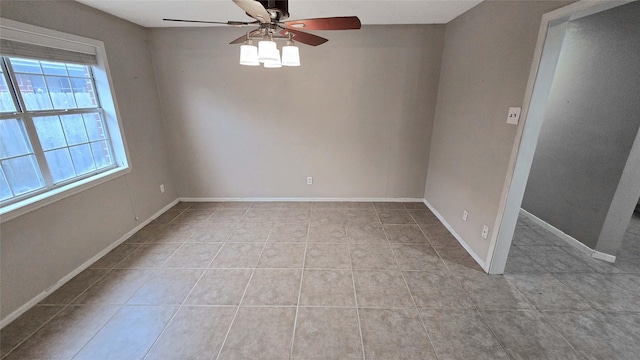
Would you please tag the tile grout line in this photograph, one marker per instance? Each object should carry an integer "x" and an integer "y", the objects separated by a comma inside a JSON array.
[
  {"x": 593, "y": 305},
  {"x": 477, "y": 310},
  {"x": 226, "y": 336},
  {"x": 353, "y": 282},
  {"x": 175, "y": 217},
  {"x": 120, "y": 306},
  {"x": 181, "y": 305},
  {"x": 65, "y": 306},
  {"x": 544, "y": 313},
  {"x": 546, "y": 321},
  {"x": 375, "y": 209},
  {"x": 495, "y": 336},
  {"x": 100, "y": 329},
  {"x": 572, "y": 290},
  {"x": 425, "y": 235},
  {"x": 34, "y": 331},
  {"x": 295, "y": 319},
  {"x": 368, "y": 307},
  {"x": 424, "y": 327}
]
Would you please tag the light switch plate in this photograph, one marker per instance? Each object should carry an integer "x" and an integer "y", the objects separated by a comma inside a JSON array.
[{"x": 514, "y": 115}]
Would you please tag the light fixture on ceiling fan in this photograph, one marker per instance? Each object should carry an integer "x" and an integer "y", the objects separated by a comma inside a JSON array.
[
  {"x": 267, "y": 53},
  {"x": 269, "y": 15}
]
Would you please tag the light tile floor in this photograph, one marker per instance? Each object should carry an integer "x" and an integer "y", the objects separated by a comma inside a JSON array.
[{"x": 332, "y": 281}]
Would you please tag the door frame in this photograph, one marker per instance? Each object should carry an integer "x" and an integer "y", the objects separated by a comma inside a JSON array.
[{"x": 545, "y": 58}]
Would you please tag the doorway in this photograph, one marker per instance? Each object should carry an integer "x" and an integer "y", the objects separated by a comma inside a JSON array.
[{"x": 550, "y": 85}]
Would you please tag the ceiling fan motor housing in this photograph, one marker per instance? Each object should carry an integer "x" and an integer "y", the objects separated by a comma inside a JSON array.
[{"x": 280, "y": 7}]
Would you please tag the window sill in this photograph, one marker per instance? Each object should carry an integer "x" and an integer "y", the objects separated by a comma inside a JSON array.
[{"x": 36, "y": 202}]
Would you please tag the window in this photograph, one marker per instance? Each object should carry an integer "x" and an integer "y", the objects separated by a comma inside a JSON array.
[
  {"x": 58, "y": 128},
  {"x": 69, "y": 140}
]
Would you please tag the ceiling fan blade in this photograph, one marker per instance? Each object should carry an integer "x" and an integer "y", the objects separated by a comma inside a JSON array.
[
  {"x": 232, "y": 23},
  {"x": 304, "y": 37},
  {"x": 240, "y": 40},
  {"x": 254, "y": 9},
  {"x": 332, "y": 23}
]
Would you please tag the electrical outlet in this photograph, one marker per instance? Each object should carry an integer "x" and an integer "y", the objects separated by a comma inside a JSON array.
[
  {"x": 465, "y": 215},
  {"x": 485, "y": 231},
  {"x": 162, "y": 188},
  {"x": 309, "y": 180}
]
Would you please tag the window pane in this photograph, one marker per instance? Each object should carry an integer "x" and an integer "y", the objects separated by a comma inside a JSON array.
[
  {"x": 60, "y": 164},
  {"x": 74, "y": 129},
  {"x": 60, "y": 91},
  {"x": 95, "y": 127},
  {"x": 53, "y": 68},
  {"x": 22, "y": 174},
  {"x": 78, "y": 70},
  {"x": 5, "y": 191},
  {"x": 70, "y": 143},
  {"x": 49, "y": 132},
  {"x": 13, "y": 139},
  {"x": 26, "y": 66},
  {"x": 84, "y": 93},
  {"x": 101, "y": 154},
  {"x": 34, "y": 92},
  {"x": 82, "y": 159},
  {"x": 6, "y": 100}
]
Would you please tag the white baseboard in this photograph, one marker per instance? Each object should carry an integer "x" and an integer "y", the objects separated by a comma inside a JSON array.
[
  {"x": 568, "y": 238},
  {"x": 300, "y": 199},
  {"x": 34, "y": 301},
  {"x": 602, "y": 256},
  {"x": 458, "y": 237}
]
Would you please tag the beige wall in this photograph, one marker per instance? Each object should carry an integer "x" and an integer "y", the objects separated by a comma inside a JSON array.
[
  {"x": 485, "y": 67},
  {"x": 43, "y": 246},
  {"x": 357, "y": 115}
]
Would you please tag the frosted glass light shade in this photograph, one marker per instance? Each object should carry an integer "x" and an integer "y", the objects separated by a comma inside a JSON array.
[
  {"x": 268, "y": 52},
  {"x": 249, "y": 55},
  {"x": 290, "y": 56},
  {"x": 274, "y": 64}
]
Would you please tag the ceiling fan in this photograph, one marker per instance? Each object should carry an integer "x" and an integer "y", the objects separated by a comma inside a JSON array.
[{"x": 270, "y": 16}]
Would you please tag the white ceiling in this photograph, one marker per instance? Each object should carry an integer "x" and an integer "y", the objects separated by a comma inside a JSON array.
[{"x": 149, "y": 13}]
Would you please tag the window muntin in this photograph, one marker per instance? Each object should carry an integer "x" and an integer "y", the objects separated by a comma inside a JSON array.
[
  {"x": 19, "y": 172},
  {"x": 73, "y": 145},
  {"x": 6, "y": 98},
  {"x": 46, "y": 85},
  {"x": 52, "y": 128}
]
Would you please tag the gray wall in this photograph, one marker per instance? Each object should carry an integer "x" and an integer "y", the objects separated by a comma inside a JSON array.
[
  {"x": 357, "y": 115},
  {"x": 590, "y": 125},
  {"x": 43, "y": 246},
  {"x": 485, "y": 67}
]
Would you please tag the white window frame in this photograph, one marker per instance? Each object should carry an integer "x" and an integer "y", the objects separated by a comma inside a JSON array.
[{"x": 17, "y": 31}]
